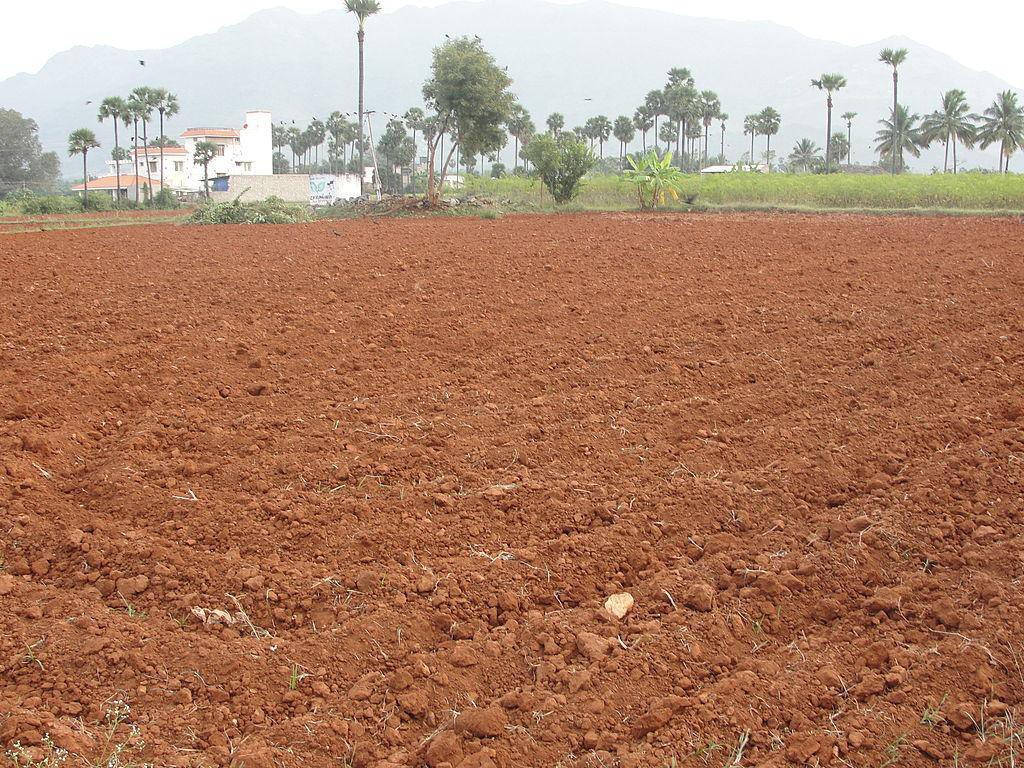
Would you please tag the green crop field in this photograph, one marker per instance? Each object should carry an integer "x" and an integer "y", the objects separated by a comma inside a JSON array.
[{"x": 973, "y": 192}]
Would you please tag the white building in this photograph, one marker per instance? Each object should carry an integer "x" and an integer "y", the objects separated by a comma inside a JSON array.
[{"x": 247, "y": 151}]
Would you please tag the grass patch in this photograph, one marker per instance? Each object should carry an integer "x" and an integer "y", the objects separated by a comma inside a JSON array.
[{"x": 975, "y": 193}]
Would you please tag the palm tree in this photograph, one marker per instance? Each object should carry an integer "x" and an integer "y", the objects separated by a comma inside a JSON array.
[
  {"x": 723, "y": 118},
  {"x": 363, "y": 9},
  {"x": 521, "y": 126},
  {"x": 167, "y": 105},
  {"x": 317, "y": 135},
  {"x": 894, "y": 57},
  {"x": 750, "y": 126},
  {"x": 805, "y": 156},
  {"x": 848, "y": 117},
  {"x": 900, "y": 134},
  {"x": 602, "y": 131},
  {"x": 1003, "y": 124},
  {"x": 625, "y": 133},
  {"x": 830, "y": 84},
  {"x": 335, "y": 125},
  {"x": 643, "y": 122},
  {"x": 203, "y": 155},
  {"x": 143, "y": 101},
  {"x": 950, "y": 124},
  {"x": 556, "y": 122},
  {"x": 678, "y": 99},
  {"x": 768, "y": 123},
  {"x": 655, "y": 103},
  {"x": 710, "y": 108},
  {"x": 79, "y": 143},
  {"x": 414, "y": 120},
  {"x": 115, "y": 109}
]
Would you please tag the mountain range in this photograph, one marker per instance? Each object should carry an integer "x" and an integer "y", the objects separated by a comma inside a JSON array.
[{"x": 590, "y": 58}]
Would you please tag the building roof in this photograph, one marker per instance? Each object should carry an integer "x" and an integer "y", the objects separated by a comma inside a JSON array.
[
  {"x": 110, "y": 182},
  {"x": 167, "y": 151},
  {"x": 212, "y": 133}
]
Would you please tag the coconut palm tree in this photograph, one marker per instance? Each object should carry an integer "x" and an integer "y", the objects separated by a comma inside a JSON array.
[
  {"x": 950, "y": 124},
  {"x": 829, "y": 83},
  {"x": 768, "y": 123},
  {"x": 115, "y": 109},
  {"x": 624, "y": 132},
  {"x": 363, "y": 10},
  {"x": 79, "y": 143},
  {"x": 750, "y": 126},
  {"x": 900, "y": 135},
  {"x": 805, "y": 156},
  {"x": 1003, "y": 124},
  {"x": 848, "y": 117},
  {"x": 894, "y": 57},
  {"x": 710, "y": 107},
  {"x": 643, "y": 121},
  {"x": 555, "y": 122}
]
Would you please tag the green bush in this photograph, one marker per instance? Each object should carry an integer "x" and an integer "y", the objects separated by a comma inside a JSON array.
[
  {"x": 561, "y": 164},
  {"x": 273, "y": 210},
  {"x": 164, "y": 200}
]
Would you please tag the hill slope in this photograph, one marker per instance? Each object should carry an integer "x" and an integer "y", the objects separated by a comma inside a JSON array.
[{"x": 559, "y": 55}]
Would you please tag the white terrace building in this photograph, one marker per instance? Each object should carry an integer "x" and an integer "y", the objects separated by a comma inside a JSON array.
[{"x": 247, "y": 151}]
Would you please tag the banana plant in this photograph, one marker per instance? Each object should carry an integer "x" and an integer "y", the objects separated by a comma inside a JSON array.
[{"x": 657, "y": 181}]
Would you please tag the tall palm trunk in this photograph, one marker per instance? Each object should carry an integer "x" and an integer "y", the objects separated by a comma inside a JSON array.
[
  {"x": 361, "y": 35},
  {"x": 898, "y": 149},
  {"x": 135, "y": 162},
  {"x": 849, "y": 145},
  {"x": 768, "y": 153},
  {"x": 145, "y": 147},
  {"x": 162, "y": 142},
  {"x": 85, "y": 179},
  {"x": 954, "y": 154},
  {"x": 723, "y": 141},
  {"x": 828, "y": 138},
  {"x": 707, "y": 138},
  {"x": 680, "y": 140},
  {"x": 515, "y": 157},
  {"x": 752, "y": 135},
  {"x": 117, "y": 160},
  {"x": 945, "y": 162}
]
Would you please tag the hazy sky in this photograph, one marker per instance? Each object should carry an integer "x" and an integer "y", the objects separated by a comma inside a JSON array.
[{"x": 988, "y": 39}]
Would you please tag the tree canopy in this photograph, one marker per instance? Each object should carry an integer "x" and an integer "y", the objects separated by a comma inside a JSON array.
[{"x": 23, "y": 164}]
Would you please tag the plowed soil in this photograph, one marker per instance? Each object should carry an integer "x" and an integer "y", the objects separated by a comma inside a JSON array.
[{"x": 356, "y": 493}]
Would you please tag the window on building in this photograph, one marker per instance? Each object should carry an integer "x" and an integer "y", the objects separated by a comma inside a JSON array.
[
  {"x": 152, "y": 166},
  {"x": 179, "y": 166},
  {"x": 221, "y": 149}
]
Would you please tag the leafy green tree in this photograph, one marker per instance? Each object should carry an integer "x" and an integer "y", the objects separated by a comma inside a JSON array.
[
  {"x": 280, "y": 163},
  {"x": 362, "y": 10},
  {"x": 1003, "y": 124},
  {"x": 643, "y": 121},
  {"x": 203, "y": 155},
  {"x": 895, "y": 58},
  {"x": 900, "y": 135},
  {"x": 830, "y": 84},
  {"x": 555, "y": 123},
  {"x": 805, "y": 157},
  {"x": 951, "y": 124},
  {"x": 166, "y": 103},
  {"x": 768, "y": 123},
  {"x": 561, "y": 162},
  {"x": 468, "y": 94},
  {"x": 624, "y": 133},
  {"x": 849, "y": 117},
  {"x": 115, "y": 109},
  {"x": 79, "y": 143},
  {"x": 751, "y": 124},
  {"x": 657, "y": 181}
]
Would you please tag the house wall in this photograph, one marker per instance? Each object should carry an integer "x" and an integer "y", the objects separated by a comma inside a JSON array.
[{"x": 292, "y": 187}]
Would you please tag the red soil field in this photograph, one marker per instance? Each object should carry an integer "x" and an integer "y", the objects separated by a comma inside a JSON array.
[{"x": 356, "y": 493}]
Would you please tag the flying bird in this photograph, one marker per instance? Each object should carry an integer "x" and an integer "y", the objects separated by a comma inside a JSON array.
[
  {"x": 142, "y": 63},
  {"x": 88, "y": 103}
]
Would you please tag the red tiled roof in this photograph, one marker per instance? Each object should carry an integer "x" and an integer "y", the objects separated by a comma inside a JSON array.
[
  {"x": 110, "y": 182},
  {"x": 212, "y": 133}
]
